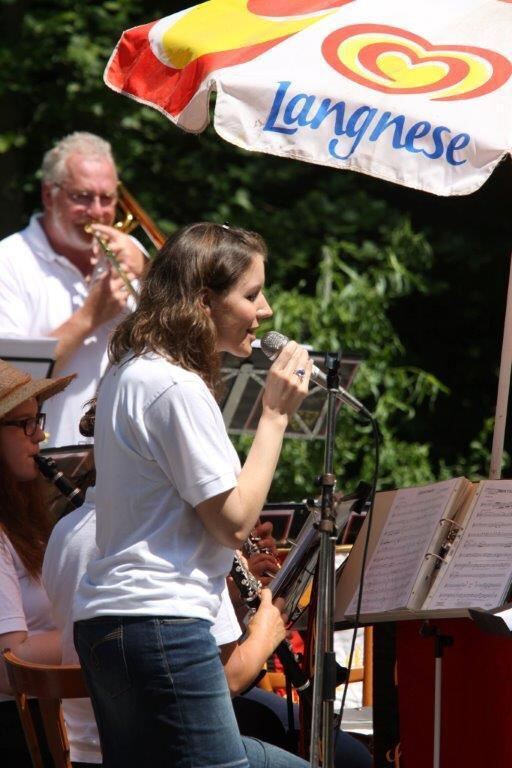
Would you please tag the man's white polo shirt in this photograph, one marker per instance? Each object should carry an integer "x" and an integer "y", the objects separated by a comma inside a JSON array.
[{"x": 40, "y": 290}]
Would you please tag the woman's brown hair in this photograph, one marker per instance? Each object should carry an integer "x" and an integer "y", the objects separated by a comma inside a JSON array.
[
  {"x": 25, "y": 518},
  {"x": 171, "y": 317}
]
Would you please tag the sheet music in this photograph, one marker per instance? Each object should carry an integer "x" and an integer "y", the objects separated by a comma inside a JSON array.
[
  {"x": 411, "y": 525},
  {"x": 477, "y": 574}
]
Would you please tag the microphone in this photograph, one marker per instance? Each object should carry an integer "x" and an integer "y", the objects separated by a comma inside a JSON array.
[{"x": 272, "y": 344}]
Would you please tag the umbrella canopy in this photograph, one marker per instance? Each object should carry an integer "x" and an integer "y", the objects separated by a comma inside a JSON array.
[
  {"x": 415, "y": 93},
  {"x": 412, "y": 92}
]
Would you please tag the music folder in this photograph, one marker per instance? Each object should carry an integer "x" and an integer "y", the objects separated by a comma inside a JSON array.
[{"x": 435, "y": 551}]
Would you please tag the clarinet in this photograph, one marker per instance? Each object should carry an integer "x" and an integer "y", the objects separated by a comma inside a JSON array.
[
  {"x": 249, "y": 587},
  {"x": 252, "y": 546},
  {"x": 48, "y": 467}
]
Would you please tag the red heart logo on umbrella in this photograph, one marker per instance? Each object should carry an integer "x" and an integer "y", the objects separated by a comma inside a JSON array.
[{"x": 394, "y": 60}]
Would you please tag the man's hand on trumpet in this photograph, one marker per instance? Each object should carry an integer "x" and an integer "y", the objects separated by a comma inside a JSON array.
[
  {"x": 107, "y": 297},
  {"x": 124, "y": 248}
]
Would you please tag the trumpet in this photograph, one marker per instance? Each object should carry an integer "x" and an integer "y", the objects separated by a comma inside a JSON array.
[
  {"x": 134, "y": 216},
  {"x": 111, "y": 258}
]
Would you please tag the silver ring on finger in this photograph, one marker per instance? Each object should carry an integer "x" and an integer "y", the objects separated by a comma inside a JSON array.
[{"x": 300, "y": 372}]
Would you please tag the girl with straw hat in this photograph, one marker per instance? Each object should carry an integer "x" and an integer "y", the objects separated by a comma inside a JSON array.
[{"x": 26, "y": 625}]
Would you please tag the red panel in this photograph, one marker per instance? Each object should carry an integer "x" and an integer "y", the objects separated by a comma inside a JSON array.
[{"x": 476, "y": 729}]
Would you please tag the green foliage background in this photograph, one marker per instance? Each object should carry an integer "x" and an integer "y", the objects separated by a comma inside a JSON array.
[{"x": 414, "y": 284}]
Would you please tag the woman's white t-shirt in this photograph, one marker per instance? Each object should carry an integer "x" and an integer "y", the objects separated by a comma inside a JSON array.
[
  {"x": 24, "y": 604},
  {"x": 161, "y": 448},
  {"x": 71, "y": 546}
]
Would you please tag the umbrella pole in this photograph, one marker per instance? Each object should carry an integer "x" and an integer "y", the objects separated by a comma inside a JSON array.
[{"x": 503, "y": 389}]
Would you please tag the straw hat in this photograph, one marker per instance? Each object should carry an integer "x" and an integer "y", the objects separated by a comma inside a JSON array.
[{"x": 17, "y": 386}]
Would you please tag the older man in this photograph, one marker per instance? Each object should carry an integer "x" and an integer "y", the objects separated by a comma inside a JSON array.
[{"x": 48, "y": 282}]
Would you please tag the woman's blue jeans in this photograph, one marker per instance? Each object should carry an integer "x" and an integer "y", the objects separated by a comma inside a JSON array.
[{"x": 160, "y": 696}]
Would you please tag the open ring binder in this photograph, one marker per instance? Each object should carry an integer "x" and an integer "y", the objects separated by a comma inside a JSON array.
[{"x": 465, "y": 527}]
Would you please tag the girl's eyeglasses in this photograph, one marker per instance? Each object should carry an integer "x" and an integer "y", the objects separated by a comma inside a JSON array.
[{"x": 29, "y": 426}]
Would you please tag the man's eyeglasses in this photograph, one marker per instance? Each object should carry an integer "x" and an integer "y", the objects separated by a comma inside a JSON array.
[
  {"x": 29, "y": 426},
  {"x": 85, "y": 199}
]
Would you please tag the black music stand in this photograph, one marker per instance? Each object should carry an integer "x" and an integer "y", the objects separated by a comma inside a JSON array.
[
  {"x": 33, "y": 355},
  {"x": 299, "y": 567},
  {"x": 495, "y": 622},
  {"x": 244, "y": 380}
]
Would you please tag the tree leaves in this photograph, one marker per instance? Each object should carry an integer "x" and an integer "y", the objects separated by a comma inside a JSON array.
[{"x": 347, "y": 268}]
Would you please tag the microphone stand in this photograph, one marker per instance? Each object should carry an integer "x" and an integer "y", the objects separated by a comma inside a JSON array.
[{"x": 324, "y": 678}]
